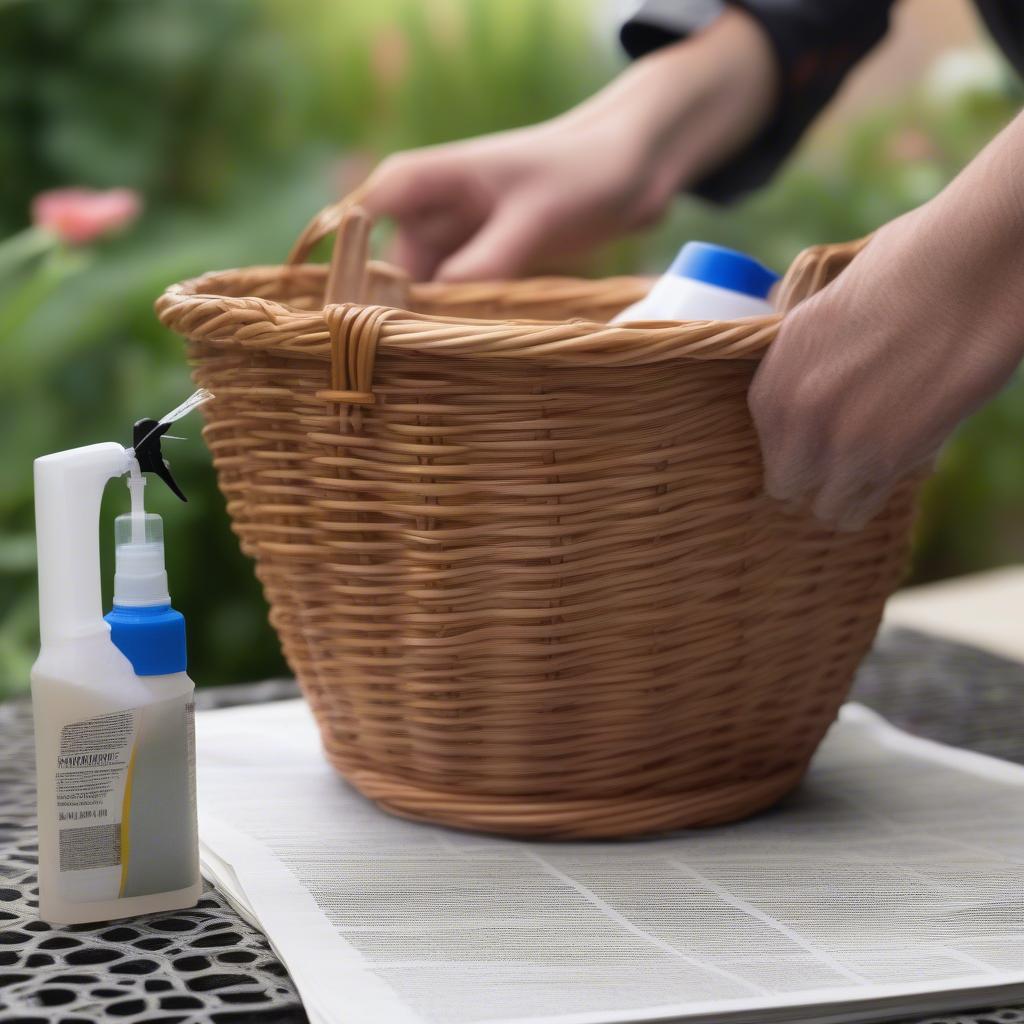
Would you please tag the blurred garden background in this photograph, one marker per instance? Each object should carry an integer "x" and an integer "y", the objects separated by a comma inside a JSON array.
[{"x": 235, "y": 120}]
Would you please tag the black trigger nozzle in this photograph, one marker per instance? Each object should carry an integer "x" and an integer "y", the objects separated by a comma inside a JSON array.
[{"x": 146, "y": 442}]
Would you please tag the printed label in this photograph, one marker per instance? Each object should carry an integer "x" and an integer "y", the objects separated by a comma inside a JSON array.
[
  {"x": 92, "y": 764},
  {"x": 126, "y": 811}
]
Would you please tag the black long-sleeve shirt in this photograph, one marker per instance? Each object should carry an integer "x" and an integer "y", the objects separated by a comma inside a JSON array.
[{"x": 816, "y": 43}]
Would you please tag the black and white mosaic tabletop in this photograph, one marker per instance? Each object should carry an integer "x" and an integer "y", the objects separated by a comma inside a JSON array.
[{"x": 207, "y": 966}]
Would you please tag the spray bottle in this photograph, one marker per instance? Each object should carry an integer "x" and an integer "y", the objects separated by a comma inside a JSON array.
[{"x": 112, "y": 703}]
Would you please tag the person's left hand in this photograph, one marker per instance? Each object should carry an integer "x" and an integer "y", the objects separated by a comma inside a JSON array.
[{"x": 868, "y": 378}]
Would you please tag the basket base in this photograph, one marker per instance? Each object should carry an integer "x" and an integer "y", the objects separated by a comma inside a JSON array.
[{"x": 616, "y": 818}]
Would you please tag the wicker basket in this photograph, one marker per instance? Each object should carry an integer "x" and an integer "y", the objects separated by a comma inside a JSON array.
[{"x": 519, "y": 560}]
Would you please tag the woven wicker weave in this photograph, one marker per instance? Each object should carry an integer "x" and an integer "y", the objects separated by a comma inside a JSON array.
[{"x": 519, "y": 560}]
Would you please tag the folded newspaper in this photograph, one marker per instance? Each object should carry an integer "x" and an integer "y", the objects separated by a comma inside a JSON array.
[{"x": 890, "y": 885}]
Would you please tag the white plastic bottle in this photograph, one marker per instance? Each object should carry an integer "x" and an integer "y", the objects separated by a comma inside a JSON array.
[
  {"x": 114, "y": 727},
  {"x": 706, "y": 282}
]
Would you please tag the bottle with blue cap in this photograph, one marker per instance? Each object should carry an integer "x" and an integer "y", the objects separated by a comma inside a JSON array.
[
  {"x": 706, "y": 282},
  {"x": 111, "y": 699}
]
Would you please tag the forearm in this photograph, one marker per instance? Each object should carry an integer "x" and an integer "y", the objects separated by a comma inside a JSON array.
[
  {"x": 492, "y": 206},
  {"x": 813, "y": 45},
  {"x": 972, "y": 236},
  {"x": 688, "y": 107}
]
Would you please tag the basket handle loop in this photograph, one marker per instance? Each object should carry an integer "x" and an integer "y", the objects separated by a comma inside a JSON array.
[
  {"x": 355, "y": 335},
  {"x": 323, "y": 223},
  {"x": 813, "y": 268},
  {"x": 346, "y": 276},
  {"x": 352, "y": 276}
]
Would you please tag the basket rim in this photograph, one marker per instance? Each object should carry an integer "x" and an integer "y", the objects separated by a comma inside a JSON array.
[{"x": 194, "y": 309}]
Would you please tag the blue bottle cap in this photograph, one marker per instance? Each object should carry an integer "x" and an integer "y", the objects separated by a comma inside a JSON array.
[
  {"x": 725, "y": 268},
  {"x": 151, "y": 638}
]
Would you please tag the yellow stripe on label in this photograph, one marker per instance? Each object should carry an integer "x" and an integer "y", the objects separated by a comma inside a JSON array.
[{"x": 126, "y": 806}]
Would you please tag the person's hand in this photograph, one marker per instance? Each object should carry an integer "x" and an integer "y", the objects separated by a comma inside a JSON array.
[
  {"x": 488, "y": 207},
  {"x": 868, "y": 378}
]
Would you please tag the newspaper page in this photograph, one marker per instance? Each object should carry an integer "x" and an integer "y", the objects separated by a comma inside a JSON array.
[{"x": 890, "y": 884}]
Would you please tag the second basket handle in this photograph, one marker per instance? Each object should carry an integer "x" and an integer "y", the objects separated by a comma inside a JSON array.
[
  {"x": 813, "y": 268},
  {"x": 353, "y": 277}
]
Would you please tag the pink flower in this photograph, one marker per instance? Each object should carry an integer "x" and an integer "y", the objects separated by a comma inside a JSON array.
[
  {"x": 911, "y": 146},
  {"x": 389, "y": 57},
  {"x": 81, "y": 215}
]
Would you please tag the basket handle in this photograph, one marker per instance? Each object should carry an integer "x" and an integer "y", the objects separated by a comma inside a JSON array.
[
  {"x": 355, "y": 279},
  {"x": 352, "y": 276},
  {"x": 813, "y": 268},
  {"x": 323, "y": 223}
]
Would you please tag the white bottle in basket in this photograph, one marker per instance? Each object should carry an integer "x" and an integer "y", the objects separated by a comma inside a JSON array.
[{"x": 706, "y": 282}]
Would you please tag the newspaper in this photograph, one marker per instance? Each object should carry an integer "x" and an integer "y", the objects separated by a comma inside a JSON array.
[{"x": 891, "y": 884}]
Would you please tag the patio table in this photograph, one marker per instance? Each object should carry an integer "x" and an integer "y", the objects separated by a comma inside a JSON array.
[{"x": 208, "y": 966}]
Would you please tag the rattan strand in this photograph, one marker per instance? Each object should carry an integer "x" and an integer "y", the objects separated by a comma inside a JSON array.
[{"x": 520, "y": 561}]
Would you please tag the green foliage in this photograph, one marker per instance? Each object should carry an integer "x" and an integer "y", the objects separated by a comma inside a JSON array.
[{"x": 236, "y": 119}]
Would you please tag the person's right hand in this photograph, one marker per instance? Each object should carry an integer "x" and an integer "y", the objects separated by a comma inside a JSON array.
[
  {"x": 488, "y": 207},
  {"x": 868, "y": 377}
]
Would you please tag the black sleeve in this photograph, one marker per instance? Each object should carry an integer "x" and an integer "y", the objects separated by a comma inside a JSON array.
[{"x": 816, "y": 43}]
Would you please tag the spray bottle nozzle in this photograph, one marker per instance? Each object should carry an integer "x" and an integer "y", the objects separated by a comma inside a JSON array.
[
  {"x": 146, "y": 436},
  {"x": 146, "y": 440}
]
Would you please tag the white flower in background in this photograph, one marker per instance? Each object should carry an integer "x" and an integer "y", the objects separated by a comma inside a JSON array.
[{"x": 964, "y": 72}]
